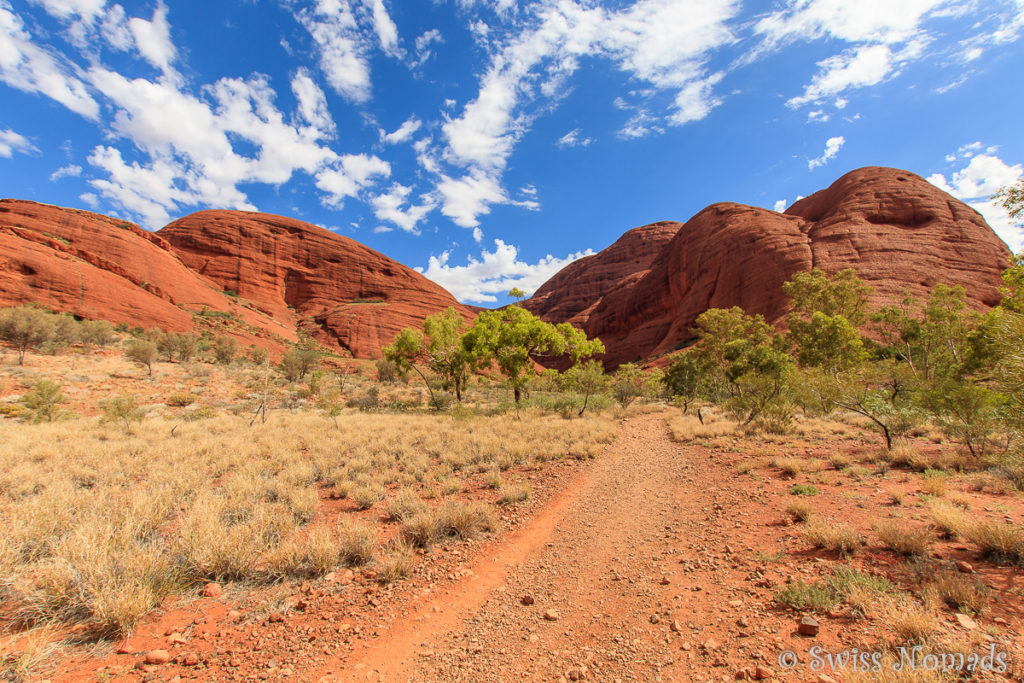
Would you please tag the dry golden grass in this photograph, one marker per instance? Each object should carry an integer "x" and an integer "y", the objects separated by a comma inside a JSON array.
[
  {"x": 800, "y": 510},
  {"x": 902, "y": 538},
  {"x": 688, "y": 428},
  {"x": 790, "y": 467},
  {"x": 1001, "y": 541},
  {"x": 910, "y": 621},
  {"x": 832, "y": 535},
  {"x": 949, "y": 519},
  {"x": 101, "y": 525},
  {"x": 960, "y": 592}
]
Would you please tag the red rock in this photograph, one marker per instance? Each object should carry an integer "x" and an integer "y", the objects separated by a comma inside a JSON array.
[
  {"x": 894, "y": 228},
  {"x": 808, "y": 626},
  {"x": 964, "y": 567},
  {"x": 762, "y": 673},
  {"x": 333, "y": 288},
  {"x": 157, "y": 657},
  {"x": 212, "y": 590}
]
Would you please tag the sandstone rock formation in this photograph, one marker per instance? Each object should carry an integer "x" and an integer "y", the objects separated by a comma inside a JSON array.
[
  {"x": 570, "y": 296},
  {"x": 899, "y": 232},
  {"x": 102, "y": 268},
  {"x": 333, "y": 288}
]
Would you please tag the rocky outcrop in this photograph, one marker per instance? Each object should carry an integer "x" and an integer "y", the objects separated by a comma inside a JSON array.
[
  {"x": 899, "y": 232},
  {"x": 331, "y": 287},
  {"x": 98, "y": 267},
  {"x": 572, "y": 294}
]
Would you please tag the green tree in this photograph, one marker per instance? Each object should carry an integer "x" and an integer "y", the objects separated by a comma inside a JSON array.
[
  {"x": 445, "y": 353},
  {"x": 44, "y": 401},
  {"x": 588, "y": 379},
  {"x": 514, "y": 339},
  {"x": 224, "y": 349},
  {"x": 186, "y": 345},
  {"x": 745, "y": 352},
  {"x": 25, "y": 327},
  {"x": 142, "y": 352},
  {"x": 96, "y": 332},
  {"x": 298, "y": 362},
  {"x": 122, "y": 409},
  {"x": 166, "y": 345},
  {"x": 1013, "y": 286},
  {"x": 629, "y": 383},
  {"x": 825, "y": 317},
  {"x": 689, "y": 375},
  {"x": 517, "y": 294}
]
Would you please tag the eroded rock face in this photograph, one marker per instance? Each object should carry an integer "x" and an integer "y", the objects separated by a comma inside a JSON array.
[
  {"x": 98, "y": 267},
  {"x": 335, "y": 289},
  {"x": 572, "y": 294},
  {"x": 899, "y": 232}
]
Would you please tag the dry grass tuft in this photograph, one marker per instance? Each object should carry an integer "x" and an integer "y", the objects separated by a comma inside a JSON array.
[
  {"x": 832, "y": 535},
  {"x": 790, "y": 467},
  {"x": 910, "y": 621},
  {"x": 960, "y": 592},
  {"x": 397, "y": 562},
  {"x": 688, "y": 428},
  {"x": 800, "y": 510},
  {"x": 902, "y": 538},
  {"x": 948, "y": 519},
  {"x": 1001, "y": 541}
]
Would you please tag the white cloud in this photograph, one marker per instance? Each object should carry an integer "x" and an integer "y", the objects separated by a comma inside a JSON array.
[
  {"x": 780, "y": 205},
  {"x": 342, "y": 47},
  {"x": 69, "y": 171},
  {"x": 11, "y": 142},
  {"x": 863, "y": 66},
  {"x": 975, "y": 183},
  {"x": 312, "y": 101},
  {"x": 832, "y": 147},
  {"x": 70, "y": 9},
  {"x": 352, "y": 173},
  {"x": 573, "y": 139},
  {"x": 404, "y": 132},
  {"x": 494, "y": 273},
  {"x": 466, "y": 198},
  {"x": 30, "y": 68},
  {"x": 423, "y": 43},
  {"x": 384, "y": 26},
  {"x": 153, "y": 39},
  {"x": 389, "y": 207}
]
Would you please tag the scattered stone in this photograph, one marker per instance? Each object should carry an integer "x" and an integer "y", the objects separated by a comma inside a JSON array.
[
  {"x": 966, "y": 621},
  {"x": 665, "y": 581},
  {"x": 825, "y": 678},
  {"x": 710, "y": 644},
  {"x": 964, "y": 567},
  {"x": 761, "y": 673},
  {"x": 155, "y": 657},
  {"x": 191, "y": 659},
  {"x": 176, "y": 639},
  {"x": 212, "y": 590},
  {"x": 676, "y": 627},
  {"x": 808, "y": 626},
  {"x": 275, "y": 618},
  {"x": 578, "y": 673},
  {"x": 527, "y": 600},
  {"x": 551, "y": 615}
]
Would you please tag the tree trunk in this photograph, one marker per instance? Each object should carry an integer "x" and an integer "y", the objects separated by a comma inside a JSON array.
[{"x": 517, "y": 393}]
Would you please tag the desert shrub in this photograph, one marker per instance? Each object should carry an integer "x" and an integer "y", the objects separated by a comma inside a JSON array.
[
  {"x": 298, "y": 362},
  {"x": 902, "y": 538},
  {"x": 422, "y": 529},
  {"x": 803, "y": 490},
  {"x": 790, "y": 467},
  {"x": 121, "y": 409},
  {"x": 368, "y": 402},
  {"x": 44, "y": 401},
  {"x": 181, "y": 399},
  {"x": 813, "y": 597},
  {"x": 387, "y": 371},
  {"x": 934, "y": 482},
  {"x": 367, "y": 495},
  {"x": 258, "y": 356},
  {"x": 396, "y": 563},
  {"x": 96, "y": 332},
  {"x": 25, "y": 328},
  {"x": 142, "y": 352},
  {"x": 910, "y": 621},
  {"x": 224, "y": 349}
]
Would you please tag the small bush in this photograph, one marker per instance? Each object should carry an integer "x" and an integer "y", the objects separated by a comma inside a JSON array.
[
  {"x": 44, "y": 401},
  {"x": 950, "y": 520},
  {"x": 422, "y": 529},
  {"x": 934, "y": 483},
  {"x": 903, "y": 539},
  {"x": 911, "y": 622},
  {"x": 405, "y": 505},
  {"x": 121, "y": 409},
  {"x": 182, "y": 399},
  {"x": 142, "y": 352},
  {"x": 840, "y": 462},
  {"x": 367, "y": 495},
  {"x": 224, "y": 349},
  {"x": 515, "y": 493},
  {"x": 803, "y": 490},
  {"x": 813, "y": 597}
]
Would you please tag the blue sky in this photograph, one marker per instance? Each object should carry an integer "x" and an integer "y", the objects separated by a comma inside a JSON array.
[{"x": 490, "y": 142}]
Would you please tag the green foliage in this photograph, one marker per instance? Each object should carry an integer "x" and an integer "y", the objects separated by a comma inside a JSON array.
[
  {"x": 812, "y": 597},
  {"x": 517, "y": 294},
  {"x": 25, "y": 327},
  {"x": 689, "y": 376},
  {"x": 826, "y": 314},
  {"x": 587, "y": 379},
  {"x": 44, "y": 401},
  {"x": 843, "y": 294},
  {"x": 1013, "y": 277},
  {"x": 514, "y": 338},
  {"x": 629, "y": 383},
  {"x": 298, "y": 362},
  {"x": 142, "y": 352},
  {"x": 224, "y": 349},
  {"x": 121, "y": 409},
  {"x": 96, "y": 332},
  {"x": 803, "y": 490}
]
